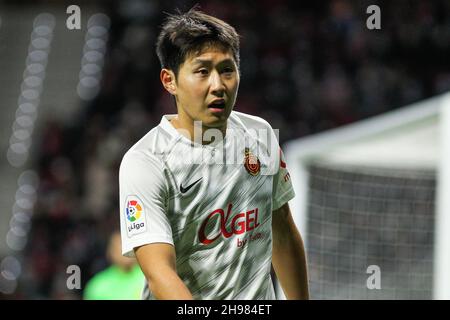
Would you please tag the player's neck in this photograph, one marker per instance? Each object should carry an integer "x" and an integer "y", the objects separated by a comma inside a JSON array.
[{"x": 189, "y": 130}]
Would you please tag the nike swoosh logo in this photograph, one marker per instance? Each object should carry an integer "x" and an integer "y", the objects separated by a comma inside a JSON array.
[{"x": 183, "y": 190}]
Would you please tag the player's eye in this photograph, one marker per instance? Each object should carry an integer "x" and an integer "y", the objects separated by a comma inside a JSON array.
[
  {"x": 202, "y": 72},
  {"x": 228, "y": 72}
]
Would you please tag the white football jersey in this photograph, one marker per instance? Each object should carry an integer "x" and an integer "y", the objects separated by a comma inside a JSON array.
[{"x": 213, "y": 203}]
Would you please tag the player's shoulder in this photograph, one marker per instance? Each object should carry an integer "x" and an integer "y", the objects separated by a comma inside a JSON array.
[
  {"x": 154, "y": 142},
  {"x": 257, "y": 127},
  {"x": 249, "y": 121},
  {"x": 150, "y": 149}
]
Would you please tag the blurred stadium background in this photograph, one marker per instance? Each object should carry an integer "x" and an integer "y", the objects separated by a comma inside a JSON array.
[{"x": 73, "y": 101}]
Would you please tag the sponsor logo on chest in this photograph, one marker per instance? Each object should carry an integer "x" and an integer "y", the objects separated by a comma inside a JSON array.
[{"x": 240, "y": 223}]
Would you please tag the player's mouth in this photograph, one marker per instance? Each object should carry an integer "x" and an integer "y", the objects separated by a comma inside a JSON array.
[{"x": 217, "y": 106}]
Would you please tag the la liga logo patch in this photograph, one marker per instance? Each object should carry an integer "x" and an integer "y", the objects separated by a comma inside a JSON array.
[
  {"x": 134, "y": 210},
  {"x": 135, "y": 216}
]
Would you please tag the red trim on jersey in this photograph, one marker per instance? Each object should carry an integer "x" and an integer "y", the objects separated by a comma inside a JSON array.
[{"x": 282, "y": 163}]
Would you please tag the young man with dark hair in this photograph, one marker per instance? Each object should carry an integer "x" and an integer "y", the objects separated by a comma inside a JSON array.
[{"x": 204, "y": 195}]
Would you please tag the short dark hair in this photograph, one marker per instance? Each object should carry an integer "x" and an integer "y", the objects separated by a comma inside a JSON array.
[{"x": 185, "y": 33}]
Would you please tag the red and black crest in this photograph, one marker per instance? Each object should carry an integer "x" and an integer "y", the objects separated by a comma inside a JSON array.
[{"x": 251, "y": 163}]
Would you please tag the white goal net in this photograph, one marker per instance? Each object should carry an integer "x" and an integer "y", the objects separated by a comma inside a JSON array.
[{"x": 372, "y": 208}]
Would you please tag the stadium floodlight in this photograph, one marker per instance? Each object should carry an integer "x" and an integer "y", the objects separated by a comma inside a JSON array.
[{"x": 376, "y": 193}]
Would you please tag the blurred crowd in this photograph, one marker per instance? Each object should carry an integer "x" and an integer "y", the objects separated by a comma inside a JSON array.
[{"x": 306, "y": 67}]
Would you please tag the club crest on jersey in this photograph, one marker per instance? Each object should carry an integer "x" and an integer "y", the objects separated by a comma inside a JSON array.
[
  {"x": 251, "y": 163},
  {"x": 135, "y": 216}
]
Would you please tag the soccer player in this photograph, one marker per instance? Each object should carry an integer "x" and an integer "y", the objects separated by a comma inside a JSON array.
[
  {"x": 204, "y": 195},
  {"x": 122, "y": 280}
]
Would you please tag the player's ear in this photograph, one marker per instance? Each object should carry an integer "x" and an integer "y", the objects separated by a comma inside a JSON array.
[{"x": 168, "y": 80}]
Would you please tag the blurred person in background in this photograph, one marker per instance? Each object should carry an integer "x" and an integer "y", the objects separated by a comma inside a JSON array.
[{"x": 122, "y": 280}]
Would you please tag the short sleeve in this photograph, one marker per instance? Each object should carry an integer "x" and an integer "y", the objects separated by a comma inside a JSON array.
[
  {"x": 143, "y": 196},
  {"x": 282, "y": 185}
]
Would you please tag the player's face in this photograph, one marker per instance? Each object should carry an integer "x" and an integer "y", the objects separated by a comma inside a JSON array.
[{"x": 207, "y": 86}]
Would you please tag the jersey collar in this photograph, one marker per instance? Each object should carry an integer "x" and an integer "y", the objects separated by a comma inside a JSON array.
[{"x": 168, "y": 127}]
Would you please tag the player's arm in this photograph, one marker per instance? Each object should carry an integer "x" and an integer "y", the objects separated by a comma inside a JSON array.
[
  {"x": 288, "y": 255},
  {"x": 157, "y": 261}
]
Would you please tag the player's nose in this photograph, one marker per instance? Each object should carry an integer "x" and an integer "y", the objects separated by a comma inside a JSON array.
[{"x": 217, "y": 86}]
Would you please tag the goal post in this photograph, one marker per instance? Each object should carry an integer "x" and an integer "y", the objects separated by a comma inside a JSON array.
[
  {"x": 442, "y": 239},
  {"x": 376, "y": 192}
]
